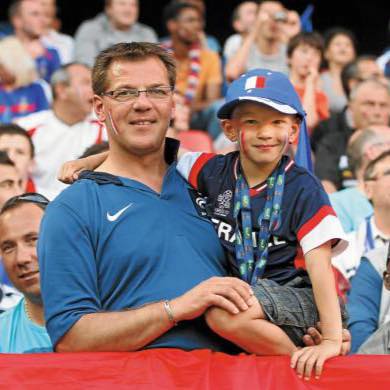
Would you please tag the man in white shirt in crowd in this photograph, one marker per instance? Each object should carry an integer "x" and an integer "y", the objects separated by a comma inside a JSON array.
[{"x": 63, "y": 133}]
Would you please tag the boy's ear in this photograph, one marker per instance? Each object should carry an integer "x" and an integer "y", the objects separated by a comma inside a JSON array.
[
  {"x": 229, "y": 130},
  {"x": 294, "y": 131}
]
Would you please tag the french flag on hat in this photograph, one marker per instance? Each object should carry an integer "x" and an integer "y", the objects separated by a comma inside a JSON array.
[{"x": 255, "y": 82}]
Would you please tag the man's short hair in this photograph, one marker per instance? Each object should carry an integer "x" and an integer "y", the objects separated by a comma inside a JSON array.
[
  {"x": 129, "y": 51},
  {"x": 312, "y": 39},
  {"x": 350, "y": 72},
  {"x": 13, "y": 129},
  {"x": 5, "y": 160},
  {"x": 369, "y": 172},
  {"x": 173, "y": 10},
  {"x": 28, "y": 197},
  {"x": 62, "y": 76},
  {"x": 377, "y": 83}
]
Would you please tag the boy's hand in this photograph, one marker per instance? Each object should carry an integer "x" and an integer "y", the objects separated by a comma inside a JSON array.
[
  {"x": 309, "y": 358},
  {"x": 314, "y": 337},
  {"x": 69, "y": 171}
]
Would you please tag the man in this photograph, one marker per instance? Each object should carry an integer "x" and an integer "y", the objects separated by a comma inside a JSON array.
[
  {"x": 264, "y": 46},
  {"x": 118, "y": 213},
  {"x": 64, "y": 132},
  {"x": 379, "y": 342},
  {"x": 368, "y": 302},
  {"x": 199, "y": 74},
  {"x": 351, "y": 204},
  {"x": 28, "y": 20},
  {"x": 10, "y": 185},
  {"x": 118, "y": 23},
  {"x": 22, "y": 327},
  {"x": 18, "y": 145},
  {"x": 369, "y": 104}
]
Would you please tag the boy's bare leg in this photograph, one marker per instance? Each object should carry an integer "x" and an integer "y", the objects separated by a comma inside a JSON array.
[{"x": 250, "y": 330}]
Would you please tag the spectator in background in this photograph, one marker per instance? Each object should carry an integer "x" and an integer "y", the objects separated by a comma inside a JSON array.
[
  {"x": 20, "y": 149},
  {"x": 199, "y": 75},
  {"x": 369, "y": 104},
  {"x": 264, "y": 46},
  {"x": 63, "y": 133},
  {"x": 118, "y": 23},
  {"x": 379, "y": 342},
  {"x": 28, "y": 20},
  {"x": 374, "y": 231},
  {"x": 351, "y": 204},
  {"x": 292, "y": 26},
  {"x": 340, "y": 49},
  {"x": 243, "y": 20},
  {"x": 64, "y": 44},
  {"x": 21, "y": 93},
  {"x": 10, "y": 185},
  {"x": 22, "y": 327},
  {"x": 304, "y": 52}
]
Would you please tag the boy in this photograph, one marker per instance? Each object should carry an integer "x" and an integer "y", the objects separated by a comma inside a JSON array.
[{"x": 262, "y": 112}]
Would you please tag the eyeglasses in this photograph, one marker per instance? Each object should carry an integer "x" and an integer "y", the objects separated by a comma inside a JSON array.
[
  {"x": 128, "y": 94},
  {"x": 28, "y": 197},
  {"x": 374, "y": 178}
]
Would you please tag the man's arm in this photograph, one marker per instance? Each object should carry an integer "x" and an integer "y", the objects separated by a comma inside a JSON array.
[
  {"x": 364, "y": 303},
  {"x": 131, "y": 330}
]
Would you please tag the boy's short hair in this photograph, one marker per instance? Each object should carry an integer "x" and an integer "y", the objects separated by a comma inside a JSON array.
[
  {"x": 312, "y": 39},
  {"x": 14, "y": 129}
]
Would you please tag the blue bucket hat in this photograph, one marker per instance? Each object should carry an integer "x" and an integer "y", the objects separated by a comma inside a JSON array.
[{"x": 275, "y": 90}]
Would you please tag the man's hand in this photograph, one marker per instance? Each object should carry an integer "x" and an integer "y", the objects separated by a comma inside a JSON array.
[
  {"x": 230, "y": 294},
  {"x": 314, "y": 337}
]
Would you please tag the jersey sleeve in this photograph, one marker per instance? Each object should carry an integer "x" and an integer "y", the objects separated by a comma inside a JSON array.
[
  {"x": 190, "y": 167},
  {"x": 67, "y": 267},
  {"x": 316, "y": 222}
]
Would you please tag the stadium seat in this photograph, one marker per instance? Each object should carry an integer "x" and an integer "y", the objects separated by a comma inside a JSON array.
[{"x": 196, "y": 141}]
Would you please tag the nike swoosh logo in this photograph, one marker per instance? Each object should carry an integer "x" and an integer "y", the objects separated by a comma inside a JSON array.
[{"x": 113, "y": 218}]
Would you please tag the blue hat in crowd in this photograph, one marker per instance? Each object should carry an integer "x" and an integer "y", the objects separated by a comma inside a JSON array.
[{"x": 275, "y": 90}]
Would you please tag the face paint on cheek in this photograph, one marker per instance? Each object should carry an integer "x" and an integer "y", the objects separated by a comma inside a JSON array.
[
  {"x": 112, "y": 124},
  {"x": 242, "y": 143}
]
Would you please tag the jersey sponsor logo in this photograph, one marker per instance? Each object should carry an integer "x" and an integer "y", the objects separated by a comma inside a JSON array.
[
  {"x": 226, "y": 232},
  {"x": 114, "y": 217},
  {"x": 224, "y": 203},
  {"x": 199, "y": 202}
]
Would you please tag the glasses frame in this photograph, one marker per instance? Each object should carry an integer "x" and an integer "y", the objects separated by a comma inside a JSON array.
[{"x": 137, "y": 93}]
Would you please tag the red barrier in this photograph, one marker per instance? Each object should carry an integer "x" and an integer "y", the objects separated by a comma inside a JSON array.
[{"x": 175, "y": 369}]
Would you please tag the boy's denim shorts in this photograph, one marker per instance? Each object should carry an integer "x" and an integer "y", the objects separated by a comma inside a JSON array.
[{"x": 290, "y": 306}]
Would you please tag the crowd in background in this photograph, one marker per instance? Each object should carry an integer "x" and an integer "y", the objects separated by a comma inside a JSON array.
[{"x": 46, "y": 117}]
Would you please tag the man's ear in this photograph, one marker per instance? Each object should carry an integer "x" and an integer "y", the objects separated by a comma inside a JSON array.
[
  {"x": 98, "y": 107},
  {"x": 229, "y": 130},
  {"x": 368, "y": 189}
]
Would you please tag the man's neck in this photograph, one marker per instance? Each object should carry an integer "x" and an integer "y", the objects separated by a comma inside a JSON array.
[
  {"x": 180, "y": 48},
  {"x": 66, "y": 114},
  {"x": 267, "y": 46},
  {"x": 34, "y": 311},
  {"x": 335, "y": 69},
  {"x": 382, "y": 220},
  {"x": 148, "y": 169}
]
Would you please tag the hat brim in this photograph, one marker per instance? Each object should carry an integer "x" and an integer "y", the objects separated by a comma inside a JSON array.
[{"x": 225, "y": 111}]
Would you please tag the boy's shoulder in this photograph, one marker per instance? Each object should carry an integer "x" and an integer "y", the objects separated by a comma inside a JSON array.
[{"x": 299, "y": 177}]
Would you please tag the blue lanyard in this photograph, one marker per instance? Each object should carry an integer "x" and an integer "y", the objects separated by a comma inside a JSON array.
[
  {"x": 250, "y": 264},
  {"x": 369, "y": 241}
]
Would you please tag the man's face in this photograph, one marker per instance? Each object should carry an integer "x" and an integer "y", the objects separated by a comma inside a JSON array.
[
  {"x": 262, "y": 133},
  {"x": 378, "y": 188},
  {"x": 19, "y": 151},
  {"x": 19, "y": 229},
  {"x": 31, "y": 19},
  {"x": 138, "y": 125},
  {"x": 123, "y": 13},
  {"x": 187, "y": 26},
  {"x": 79, "y": 92},
  {"x": 369, "y": 69},
  {"x": 303, "y": 59},
  {"x": 274, "y": 15},
  {"x": 370, "y": 106},
  {"x": 246, "y": 17},
  {"x": 10, "y": 183}
]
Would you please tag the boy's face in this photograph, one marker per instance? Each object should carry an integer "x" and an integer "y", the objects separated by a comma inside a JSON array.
[
  {"x": 304, "y": 59},
  {"x": 262, "y": 132}
]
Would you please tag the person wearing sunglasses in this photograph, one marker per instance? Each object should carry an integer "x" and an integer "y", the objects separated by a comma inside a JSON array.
[{"x": 22, "y": 327}]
